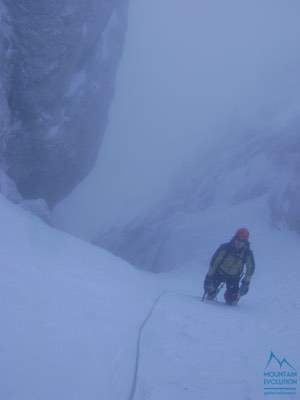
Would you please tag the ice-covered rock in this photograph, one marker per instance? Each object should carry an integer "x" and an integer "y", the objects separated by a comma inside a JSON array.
[
  {"x": 39, "y": 207},
  {"x": 55, "y": 89}
]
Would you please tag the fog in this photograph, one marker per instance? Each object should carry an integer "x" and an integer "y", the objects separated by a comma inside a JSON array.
[{"x": 191, "y": 73}]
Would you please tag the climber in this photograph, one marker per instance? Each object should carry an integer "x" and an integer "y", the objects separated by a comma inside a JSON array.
[{"x": 227, "y": 265}]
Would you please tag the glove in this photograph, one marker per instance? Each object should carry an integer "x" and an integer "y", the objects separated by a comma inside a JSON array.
[
  {"x": 244, "y": 289},
  {"x": 208, "y": 284}
]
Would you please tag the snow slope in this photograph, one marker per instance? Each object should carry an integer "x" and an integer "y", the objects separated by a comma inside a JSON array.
[
  {"x": 211, "y": 351},
  {"x": 71, "y": 314}
]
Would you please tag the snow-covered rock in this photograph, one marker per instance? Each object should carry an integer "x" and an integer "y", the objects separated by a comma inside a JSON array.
[
  {"x": 55, "y": 89},
  {"x": 9, "y": 189}
]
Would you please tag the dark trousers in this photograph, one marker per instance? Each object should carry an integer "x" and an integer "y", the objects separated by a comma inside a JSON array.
[{"x": 232, "y": 287}]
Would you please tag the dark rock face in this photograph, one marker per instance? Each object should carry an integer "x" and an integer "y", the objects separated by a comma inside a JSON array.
[
  {"x": 63, "y": 61},
  {"x": 5, "y": 68}
]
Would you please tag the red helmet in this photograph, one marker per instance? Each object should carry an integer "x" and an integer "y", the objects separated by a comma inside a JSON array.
[{"x": 242, "y": 234}]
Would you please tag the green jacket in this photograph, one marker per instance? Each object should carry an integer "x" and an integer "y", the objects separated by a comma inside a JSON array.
[{"x": 227, "y": 260}]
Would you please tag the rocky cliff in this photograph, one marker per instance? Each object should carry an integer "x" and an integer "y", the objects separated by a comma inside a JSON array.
[{"x": 59, "y": 61}]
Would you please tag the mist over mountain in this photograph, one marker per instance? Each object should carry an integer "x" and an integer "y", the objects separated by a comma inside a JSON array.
[
  {"x": 262, "y": 169},
  {"x": 206, "y": 114},
  {"x": 58, "y": 66}
]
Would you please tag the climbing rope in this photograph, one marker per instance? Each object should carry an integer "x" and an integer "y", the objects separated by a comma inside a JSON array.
[{"x": 140, "y": 335}]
